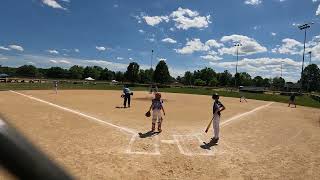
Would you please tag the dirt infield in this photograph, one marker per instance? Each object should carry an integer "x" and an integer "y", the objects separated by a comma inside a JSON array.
[{"x": 88, "y": 135}]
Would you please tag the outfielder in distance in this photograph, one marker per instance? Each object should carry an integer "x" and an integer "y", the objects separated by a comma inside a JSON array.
[{"x": 156, "y": 107}]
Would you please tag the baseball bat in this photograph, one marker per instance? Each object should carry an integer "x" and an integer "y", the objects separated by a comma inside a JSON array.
[{"x": 206, "y": 131}]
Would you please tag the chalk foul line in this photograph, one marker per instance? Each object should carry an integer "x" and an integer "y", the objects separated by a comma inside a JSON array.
[{"x": 127, "y": 130}]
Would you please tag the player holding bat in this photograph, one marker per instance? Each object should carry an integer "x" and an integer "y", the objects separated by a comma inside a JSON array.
[{"x": 217, "y": 108}]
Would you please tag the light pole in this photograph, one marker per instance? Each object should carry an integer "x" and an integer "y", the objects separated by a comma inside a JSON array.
[
  {"x": 303, "y": 27},
  {"x": 235, "y": 78},
  {"x": 310, "y": 55},
  {"x": 151, "y": 57},
  {"x": 281, "y": 69}
]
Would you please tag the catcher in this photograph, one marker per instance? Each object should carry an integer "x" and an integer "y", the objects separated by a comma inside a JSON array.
[{"x": 156, "y": 107}]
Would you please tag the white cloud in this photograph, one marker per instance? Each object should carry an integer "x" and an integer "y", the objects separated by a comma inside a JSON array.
[
  {"x": 67, "y": 1},
  {"x": 154, "y": 20},
  {"x": 100, "y": 48},
  {"x": 141, "y": 31},
  {"x": 119, "y": 58},
  {"x": 265, "y": 67},
  {"x": 211, "y": 57},
  {"x": 53, "y": 4},
  {"x": 53, "y": 51},
  {"x": 76, "y": 50},
  {"x": 4, "y": 48},
  {"x": 115, "y": 5},
  {"x": 213, "y": 43},
  {"x": 318, "y": 11},
  {"x": 193, "y": 46},
  {"x": 151, "y": 39},
  {"x": 162, "y": 59},
  {"x": 249, "y": 45},
  {"x": 186, "y": 18},
  {"x": 169, "y": 40},
  {"x": 183, "y": 19},
  {"x": 130, "y": 58},
  {"x": 129, "y": 49},
  {"x": 315, "y": 0},
  {"x": 65, "y": 61},
  {"x": 289, "y": 46},
  {"x": 273, "y": 34},
  {"x": 16, "y": 47},
  {"x": 253, "y": 2},
  {"x": 53, "y": 61}
]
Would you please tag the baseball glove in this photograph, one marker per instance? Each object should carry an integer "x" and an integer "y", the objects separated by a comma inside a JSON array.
[
  {"x": 148, "y": 114},
  {"x": 122, "y": 95},
  {"x": 131, "y": 93}
]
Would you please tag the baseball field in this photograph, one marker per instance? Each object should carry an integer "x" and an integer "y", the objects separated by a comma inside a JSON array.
[{"x": 92, "y": 137}]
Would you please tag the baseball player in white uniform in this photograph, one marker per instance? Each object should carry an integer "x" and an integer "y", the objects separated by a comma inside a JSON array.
[{"x": 217, "y": 108}]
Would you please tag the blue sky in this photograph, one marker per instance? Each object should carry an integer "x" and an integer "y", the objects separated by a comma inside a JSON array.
[{"x": 188, "y": 34}]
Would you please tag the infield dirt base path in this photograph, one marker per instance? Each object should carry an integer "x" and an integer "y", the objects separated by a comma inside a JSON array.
[{"x": 90, "y": 137}]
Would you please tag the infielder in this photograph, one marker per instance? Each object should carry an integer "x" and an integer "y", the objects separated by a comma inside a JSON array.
[
  {"x": 126, "y": 96},
  {"x": 217, "y": 108},
  {"x": 156, "y": 107},
  {"x": 292, "y": 100}
]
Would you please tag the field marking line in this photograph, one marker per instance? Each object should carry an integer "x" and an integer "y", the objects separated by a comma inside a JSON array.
[
  {"x": 168, "y": 141},
  {"x": 77, "y": 112},
  {"x": 237, "y": 117},
  {"x": 175, "y": 137},
  {"x": 156, "y": 147}
]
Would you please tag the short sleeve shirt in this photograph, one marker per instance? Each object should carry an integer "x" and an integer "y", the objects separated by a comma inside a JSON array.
[
  {"x": 216, "y": 107},
  {"x": 156, "y": 104}
]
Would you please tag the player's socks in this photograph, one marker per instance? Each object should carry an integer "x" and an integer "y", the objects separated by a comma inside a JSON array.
[{"x": 153, "y": 127}]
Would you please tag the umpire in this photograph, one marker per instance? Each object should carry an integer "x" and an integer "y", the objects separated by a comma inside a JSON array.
[{"x": 126, "y": 96}]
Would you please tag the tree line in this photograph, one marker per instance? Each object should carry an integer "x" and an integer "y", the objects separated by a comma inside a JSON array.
[
  {"x": 133, "y": 73},
  {"x": 205, "y": 77}
]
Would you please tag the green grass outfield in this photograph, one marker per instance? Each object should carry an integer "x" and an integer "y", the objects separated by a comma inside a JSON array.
[{"x": 301, "y": 100}]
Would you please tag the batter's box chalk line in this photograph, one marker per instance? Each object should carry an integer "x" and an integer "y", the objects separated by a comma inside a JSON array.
[
  {"x": 156, "y": 146},
  {"x": 180, "y": 139}
]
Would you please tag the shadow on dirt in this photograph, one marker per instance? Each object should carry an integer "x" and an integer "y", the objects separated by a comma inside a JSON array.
[
  {"x": 148, "y": 134},
  {"x": 208, "y": 145}
]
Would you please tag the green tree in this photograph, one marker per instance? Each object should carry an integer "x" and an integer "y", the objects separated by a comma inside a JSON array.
[
  {"x": 214, "y": 82},
  {"x": 188, "y": 78},
  {"x": 93, "y": 72},
  {"x": 311, "y": 78},
  {"x": 278, "y": 83},
  {"x": 106, "y": 74},
  {"x": 199, "y": 82},
  {"x": 266, "y": 82},
  {"x": 207, "y": 74},
  {"x": 132, "y": 73},
  {"x": 27, "y": 71},
  {"x": 145, "y": 76},
  {"x": 119, "y": 76},
  {"x": 258, "y": 81},
  {"x": 76, "y": 72},
  {"x": 225, "y": 78},
  {"x": 57, "y": 72},
  {"x": 243, "y": 79},
  {"x": 161, "y": 73}
]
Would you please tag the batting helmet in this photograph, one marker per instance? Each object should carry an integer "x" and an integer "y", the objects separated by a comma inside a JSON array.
[
  {"x": 215, "y": 96},
  {"x": 158, "y": 95}
]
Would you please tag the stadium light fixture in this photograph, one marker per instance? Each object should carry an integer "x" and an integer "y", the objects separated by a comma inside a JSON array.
[
  {"x": 235, "y": 79},
  {"x": 304, "y": 27}
]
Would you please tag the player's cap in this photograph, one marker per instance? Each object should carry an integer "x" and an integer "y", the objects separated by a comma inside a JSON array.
[{"x": 215, "y": 95}]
